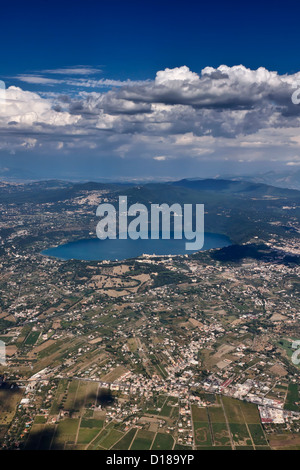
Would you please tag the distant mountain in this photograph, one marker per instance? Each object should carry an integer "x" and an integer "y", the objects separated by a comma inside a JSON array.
[
  {"x": 289, "y": 179},
  {"x": 286, "y": 179},
  {"x": 183, "y": 191},
  {"x": 52, "y": 191},
  {"x": 235, "y": 187}
]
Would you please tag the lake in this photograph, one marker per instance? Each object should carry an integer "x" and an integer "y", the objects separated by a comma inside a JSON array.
[{"x": 98, "y": 250}]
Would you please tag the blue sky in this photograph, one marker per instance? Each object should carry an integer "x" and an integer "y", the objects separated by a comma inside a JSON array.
[
  {"x": 135, "y": 89},
  {"x": 137, "y": 38}
]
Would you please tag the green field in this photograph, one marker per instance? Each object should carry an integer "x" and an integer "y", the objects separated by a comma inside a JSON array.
[
  {"x": 240, "y": 434},
  {"x": 65, "y": 433},
  {"x": 40, "y": 419},
  {"x": 250, "y": 412},
  {"x": 86, "y": 435},
  {"x": 182, "y": 447},
  {"x": 292, "y": 398},
  {"x": 72, "y": 390},
  {"x": 163, "y": 442},
  {"x": 9, "y": 399},
  {"x": 257, "y": 434},
  {"x": 216, "y": 414},
  {"x": 170, "y": 407},
  {"x": 213, "y": 448},
  {"x": 202, "y": 434},
  {"x": 143, "y": 440},
  {"x": 32, "y": 338},
  {"x": 91, "y": 423},
  {"x": 221, "y": 434},
  {"x": 96, "y": 443},
  {"x": 233, "y": 410},
  {"x": 59, "y": 397},
  {"x": 111, "y": 438},
  {"x": 125, "y": 442},
  {"x": 199, "y": 414}
]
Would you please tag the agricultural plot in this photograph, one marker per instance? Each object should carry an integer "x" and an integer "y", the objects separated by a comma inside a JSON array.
[
  {"x": 212, "y": 428},
  {"x": 71, "y": 394},
  {"x": 59, "y": 397},
  {"x": 244, "y": 423},
  {"x": 170, "y": 407},
  {"x": 3, "y": 430},
  {"x": 111, "y": 438},
  {"x": 199, "y": 414},
  {"x": 9, "y": 399},
  {"x": 89, "y": 428},
  {"x": 65, "y": 433},
  {"x": 35, "y": 436},
  {"x": 250, "y": 412},
  {"x": 86, "y": 435},
  {"x": 81, "y": 394},
  {"x": 286, "y": 441},
  {"x": 202, "y": 434},
  {"x": 115, "y": 374},
  {"x": 91, "y": 394},
  {"x": 32, "y": 338},
  {"x": 88, "y": 413},
  {"x": 233, "y": 410},
  {"x": 95, "y": 444},
  {"x": 91, "y": 423},
  {"x": 40, "y": 438},
  {"x": 163, "y": 442},
  {"x": 293, "y": 398},
  {"x": 40, "y": 419},
  {"x": 53, "y": 437},
  {"x": 216, "y": 414},
  {"x": 228, "y": 423},
  {"x": 125, "y": 442},
  {"x": 213, "y": 448},
  {"x": 142, "y": 440},
  {"x": 257, "y": 434},
  {"x": 182, "y": 447},
  {"x": 78, "y": 395},
  {"x": 240, "y": 434},
  {"x": 221, "y": 434}
]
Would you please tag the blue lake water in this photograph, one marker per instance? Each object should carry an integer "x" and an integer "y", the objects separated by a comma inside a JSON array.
[{"x": 99, "y": 250}]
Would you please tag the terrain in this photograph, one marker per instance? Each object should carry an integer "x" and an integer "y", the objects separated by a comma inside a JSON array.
[{"x": 184, "y": 352}]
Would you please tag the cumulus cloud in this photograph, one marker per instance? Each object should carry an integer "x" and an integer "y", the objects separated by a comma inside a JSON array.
[
  {"x": 225, "y": 111},
  {"x": 178, "y": 74}
]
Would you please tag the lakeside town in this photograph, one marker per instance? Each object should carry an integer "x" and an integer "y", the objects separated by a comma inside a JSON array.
[{"x": 174, "y": 352}]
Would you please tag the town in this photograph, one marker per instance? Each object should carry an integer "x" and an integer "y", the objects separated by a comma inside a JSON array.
[{"x": 157, "y": 352}]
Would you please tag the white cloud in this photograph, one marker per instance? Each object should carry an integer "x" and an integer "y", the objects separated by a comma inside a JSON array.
[
  {"x": 228, "y": 112},
  {"x": 38, "y": 80},
  {"x": 178, "y": 74},
  {"x": 160, "y": 158},
  {"x": 75, "y": 70},
  {"x": 29, "y": 109}
]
